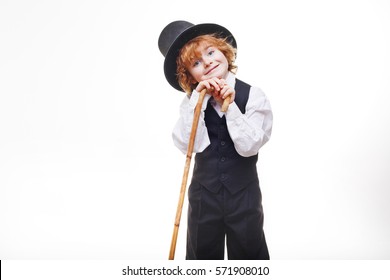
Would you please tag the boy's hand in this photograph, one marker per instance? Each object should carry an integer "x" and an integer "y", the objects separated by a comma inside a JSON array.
[{"x": 218, "y": 88}]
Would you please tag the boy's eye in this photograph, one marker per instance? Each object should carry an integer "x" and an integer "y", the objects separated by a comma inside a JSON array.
[
  {"x": 211, "y": 52},
  {"x": 196, "y": 63}
]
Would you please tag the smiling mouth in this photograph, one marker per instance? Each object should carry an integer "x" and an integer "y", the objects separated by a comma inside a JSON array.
[{"x": 211, "y": 69}]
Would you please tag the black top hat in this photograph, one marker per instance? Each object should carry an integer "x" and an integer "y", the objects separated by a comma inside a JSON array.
[{"x": 176, "y": 34}]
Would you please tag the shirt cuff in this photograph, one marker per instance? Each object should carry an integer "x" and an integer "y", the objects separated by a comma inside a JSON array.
[{"x": 194, "y": 100}]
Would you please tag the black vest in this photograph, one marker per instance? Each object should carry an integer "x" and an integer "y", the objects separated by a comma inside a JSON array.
[{"x": 220, "y": 164}]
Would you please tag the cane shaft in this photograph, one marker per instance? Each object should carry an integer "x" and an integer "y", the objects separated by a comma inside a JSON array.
[{"x": 185, "y": 173}]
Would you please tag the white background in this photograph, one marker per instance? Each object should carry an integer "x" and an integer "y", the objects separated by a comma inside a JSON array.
[{"x": 88, "y": 169}]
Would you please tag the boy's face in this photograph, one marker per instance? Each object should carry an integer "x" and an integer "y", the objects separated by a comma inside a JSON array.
[{"x": 210, "y": 63}]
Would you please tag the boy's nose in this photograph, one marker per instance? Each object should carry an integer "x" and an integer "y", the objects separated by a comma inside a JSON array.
[{"x": 207, "y": 61}]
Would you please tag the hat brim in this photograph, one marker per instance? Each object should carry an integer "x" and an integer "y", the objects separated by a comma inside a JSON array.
[{"x": 170, "y": 66}]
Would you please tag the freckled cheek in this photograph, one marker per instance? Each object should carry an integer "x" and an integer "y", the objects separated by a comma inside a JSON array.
[
  {"x": 198, "y": 76},
  {"x": 194, "y": 73}
]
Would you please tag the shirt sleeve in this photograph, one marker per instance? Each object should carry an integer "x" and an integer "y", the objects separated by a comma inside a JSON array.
[
  {"x": 182, "y": 130},
  {"x": 250, "y": 131}
]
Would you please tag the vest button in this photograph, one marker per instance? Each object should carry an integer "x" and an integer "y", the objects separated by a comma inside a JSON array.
[
  {"x": 223, "y": 177},
  {"x": 223, "y": 143},
  {"x": 223, "y": 159}
]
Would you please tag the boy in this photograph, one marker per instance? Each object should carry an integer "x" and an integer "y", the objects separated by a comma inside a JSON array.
[{"x": 224, "y": 194}]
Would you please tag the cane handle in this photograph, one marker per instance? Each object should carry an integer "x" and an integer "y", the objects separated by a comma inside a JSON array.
[{"x": 225, "y": 104}]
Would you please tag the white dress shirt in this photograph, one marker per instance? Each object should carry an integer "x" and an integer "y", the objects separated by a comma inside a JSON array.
[{"x": 248, "y": 131}]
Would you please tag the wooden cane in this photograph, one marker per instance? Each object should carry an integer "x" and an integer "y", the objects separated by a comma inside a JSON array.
[
  {"x": 225, "y": 104},
  {"x": 190, "y": 149}
]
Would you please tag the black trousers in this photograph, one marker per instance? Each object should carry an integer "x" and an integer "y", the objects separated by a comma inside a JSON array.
[{"x": 239, "y": 217}]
